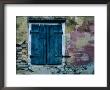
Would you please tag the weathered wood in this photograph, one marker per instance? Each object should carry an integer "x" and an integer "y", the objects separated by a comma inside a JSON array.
[
  {"x": 46, "y": 44},
  {"x": 35, "y": 20},
  {"x": 38, "y": 47},
  {"x": 55, "y": 45}
]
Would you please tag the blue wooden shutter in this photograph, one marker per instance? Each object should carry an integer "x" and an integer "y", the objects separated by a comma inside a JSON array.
[
  {"x": 54, "y": 45},
  {"x": 38, "y": 43},
  {"x": 46, "y": 44}
]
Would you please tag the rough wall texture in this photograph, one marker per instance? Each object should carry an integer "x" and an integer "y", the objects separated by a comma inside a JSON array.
[
  {"x": 79, "y": 41},
  {"x": 21, "y": 29},
  {"x": 21, "y": 41},
  {"x": 21, "y": 55}
]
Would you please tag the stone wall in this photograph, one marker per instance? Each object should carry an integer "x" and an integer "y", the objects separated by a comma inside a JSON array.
[{"x": 22, "y": 55}]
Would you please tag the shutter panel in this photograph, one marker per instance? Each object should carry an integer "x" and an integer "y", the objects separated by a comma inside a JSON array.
[
  {"x": 38, "y": 49},
  {"x": 55, "y": 45}
]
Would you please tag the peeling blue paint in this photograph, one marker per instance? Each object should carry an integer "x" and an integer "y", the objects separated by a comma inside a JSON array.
[{"x": 46, "y": 44}]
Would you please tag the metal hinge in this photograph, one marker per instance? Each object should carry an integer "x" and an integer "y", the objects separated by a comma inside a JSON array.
[{"x": 66, "y": 56}]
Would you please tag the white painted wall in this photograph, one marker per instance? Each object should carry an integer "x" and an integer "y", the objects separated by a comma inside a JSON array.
[{"x": 29, "y": 44}]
